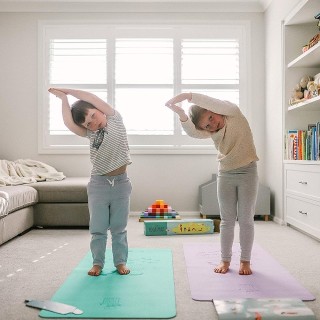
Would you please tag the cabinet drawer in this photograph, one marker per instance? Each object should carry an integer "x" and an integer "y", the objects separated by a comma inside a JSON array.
[
  {"x": 303, "y": 182},
  {"x": 304, "y": 215}
]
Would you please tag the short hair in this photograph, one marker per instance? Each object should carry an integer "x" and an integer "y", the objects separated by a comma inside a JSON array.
[
  {"x": 195, "y": 114},
  {"x": 79, "y": 110}
]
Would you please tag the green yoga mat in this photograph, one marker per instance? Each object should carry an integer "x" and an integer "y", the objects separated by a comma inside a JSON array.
[{"x": 147, "y": 292}]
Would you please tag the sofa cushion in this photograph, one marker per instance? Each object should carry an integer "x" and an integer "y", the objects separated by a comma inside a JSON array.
[
  {"x": 18, "y": 197},
  {"x": 71, "y": 189},
  {"x": 61, "y": 214}
]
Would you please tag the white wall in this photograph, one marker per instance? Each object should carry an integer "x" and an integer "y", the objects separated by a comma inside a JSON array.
[
  {"x": 175, "y": 178},
  {"x": 274, "y": 16}
]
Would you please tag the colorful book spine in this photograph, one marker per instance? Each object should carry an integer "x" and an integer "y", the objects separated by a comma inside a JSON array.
[
  {"x": 318, "y": 140},
  {"x": 293, "y": 144},
  {"x": 299, "y": 145}
]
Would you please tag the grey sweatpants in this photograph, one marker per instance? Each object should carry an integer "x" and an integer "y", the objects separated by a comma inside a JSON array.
[
  {"x": 237, "y": 194},
  {"x": 109, "y": 202}
]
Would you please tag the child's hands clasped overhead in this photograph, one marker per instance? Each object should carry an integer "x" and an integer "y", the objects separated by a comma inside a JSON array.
[
  {"x": 175, "y": 108},
  {"x": 58, "y": 93},
  {"x": 172, "y": 104}
]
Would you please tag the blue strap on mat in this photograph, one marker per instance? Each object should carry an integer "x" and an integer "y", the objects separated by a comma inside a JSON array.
[{"x": 147, "y": 292}]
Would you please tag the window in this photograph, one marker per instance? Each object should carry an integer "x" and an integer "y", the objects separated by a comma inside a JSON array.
[{"x": 137, "y": 69}]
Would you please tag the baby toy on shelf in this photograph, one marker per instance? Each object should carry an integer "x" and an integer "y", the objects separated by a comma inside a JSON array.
[
  {"x": 312, "y": 90},
  {"x": 307, "y": 88}
]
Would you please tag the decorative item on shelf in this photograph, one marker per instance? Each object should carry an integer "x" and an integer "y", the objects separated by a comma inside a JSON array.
[
  {"x": 296, "y": 96},
  {"x": 159, "y": 210},
  {"x": 312, "y": 90},
  {"x": 305, "y": 48},
  {"x": 317, "y": 16},
  {"x": 300, "y": 91},
  {"x": 314, "y": 40},
  {"x": 317, "y": 79}
]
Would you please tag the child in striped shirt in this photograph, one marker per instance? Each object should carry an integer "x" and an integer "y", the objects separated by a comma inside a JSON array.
[{"x": 109, "y": 188}]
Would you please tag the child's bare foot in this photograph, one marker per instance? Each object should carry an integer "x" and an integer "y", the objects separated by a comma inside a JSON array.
[
  {"x": 245, "y": 268},
  {"x": 95, "y": 271},
  {"x": 223, "y": 267},
  {"x": 122, "y": 269}
]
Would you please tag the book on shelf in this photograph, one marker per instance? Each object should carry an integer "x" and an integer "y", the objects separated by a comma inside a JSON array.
[
  {"x": 261, "y": 309},
  {"x": 154, "y": 218},
  {"x": 292, "y": 144},
  {"x": 318, "y": 138},
  {"x": 303, "y": 144},
  {"x": 171, "y": 213}
]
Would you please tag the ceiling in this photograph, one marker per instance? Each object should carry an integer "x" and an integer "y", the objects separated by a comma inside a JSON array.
[{"x": 38, "y": 5}]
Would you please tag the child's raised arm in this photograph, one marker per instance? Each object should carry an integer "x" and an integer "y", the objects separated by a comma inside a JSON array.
[
  {"x": 98, "y": 103},
  {"x": 66, "y": 113}
]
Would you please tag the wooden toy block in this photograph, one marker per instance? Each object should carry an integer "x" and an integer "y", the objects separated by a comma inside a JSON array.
[
  {"x": 183, "y": 226},
  {"x": 160, "y": 210},
  {"x": 159, "y": 206}
]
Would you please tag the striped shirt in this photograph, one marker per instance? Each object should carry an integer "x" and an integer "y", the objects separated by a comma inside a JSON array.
[{"x": 109, "y": 148}]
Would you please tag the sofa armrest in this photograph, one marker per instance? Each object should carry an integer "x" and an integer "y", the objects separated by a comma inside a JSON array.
[{"x": 4, "y": 201}]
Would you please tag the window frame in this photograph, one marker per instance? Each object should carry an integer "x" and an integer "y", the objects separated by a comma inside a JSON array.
[{"x": 46, "y": 30}]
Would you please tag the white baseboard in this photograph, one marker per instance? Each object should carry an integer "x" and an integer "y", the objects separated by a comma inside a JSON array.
[{"x": 279, "y": 221}]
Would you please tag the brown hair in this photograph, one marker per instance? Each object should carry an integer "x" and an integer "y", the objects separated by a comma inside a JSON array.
[
  {"x": 195, "y": 114},
  {"x": 79, "y": 110}
]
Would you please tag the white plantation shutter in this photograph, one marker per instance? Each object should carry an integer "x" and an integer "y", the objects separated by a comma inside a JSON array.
[
  {"x": 144, "y": 61},
  {"x": 143, "y": 81},
  {"x": 211, "y": 67},
  {"x": 137, "y": 73},
  {"x": 74, "y": 62},
  {"x": 210, "y": 61},
  {"x": 78, "y": 61}
]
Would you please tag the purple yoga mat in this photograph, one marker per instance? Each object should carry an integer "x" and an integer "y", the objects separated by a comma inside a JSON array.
[{"x": 269, "y": 278}]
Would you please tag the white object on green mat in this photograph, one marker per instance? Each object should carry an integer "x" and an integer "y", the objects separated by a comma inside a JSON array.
[{"x": 56, "y": 307}]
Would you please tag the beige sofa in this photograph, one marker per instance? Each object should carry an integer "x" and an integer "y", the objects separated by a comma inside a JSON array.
[{"x": 47, "y": 204}]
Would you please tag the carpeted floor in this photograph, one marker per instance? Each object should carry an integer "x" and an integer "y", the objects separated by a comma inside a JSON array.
[{"x": 34, "y": 265}]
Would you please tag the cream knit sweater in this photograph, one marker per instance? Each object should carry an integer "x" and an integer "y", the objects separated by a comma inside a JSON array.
[{"x": 234, "y": 141}]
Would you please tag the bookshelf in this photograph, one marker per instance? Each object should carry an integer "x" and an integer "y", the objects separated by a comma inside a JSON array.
[
  {"x": 305, "y": 106},
  {"x": 301, "y": 177},
  {"x": 310, "y": 58}
]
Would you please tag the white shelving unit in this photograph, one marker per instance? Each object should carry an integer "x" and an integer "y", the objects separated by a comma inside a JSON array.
[
  {"x": 309, "y": 58},
  {"x": 301, "y": 177},
  {"x": 307, "y": 105}
]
